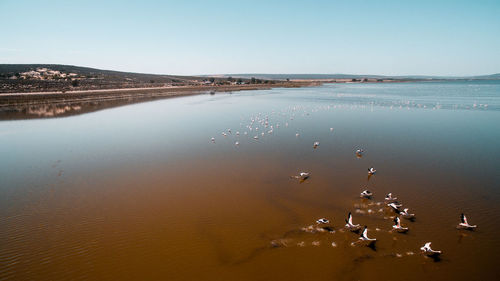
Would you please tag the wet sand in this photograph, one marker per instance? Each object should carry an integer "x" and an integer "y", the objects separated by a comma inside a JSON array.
[{"x": 108, "y": 195}]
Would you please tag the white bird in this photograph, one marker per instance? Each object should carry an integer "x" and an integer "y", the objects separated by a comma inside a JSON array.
[
  {"x": 389, "y": 198},
  {"x": 229, "y": 131},
  {"x": 236, "y": 143},
  {"x": 349, "y": 225},
  {"x": 364, "y": 237},
  {"x": 297, "y": 134},
  {"x": 304, "y": 175},
  {"x": 371, "y": 171},
  {"x": 213, "y": 139},
  {"x": 366, "y": 194},
  {"x": 397, "y": 226},
  {"x": 322, "y": 221},
  {"x": 224, "y": 134},
  {"x": 315, "y": 144},
  {"x": 256, "y": 137},
  {"x": 406, "y": 215},
  {"x": 331, "y": 129},
  {"x": 237, "y": 133},
  {"x": 395, "y": 207},
  {"x": 426, "y": 250},
  {"x": 464, "y": 224}
]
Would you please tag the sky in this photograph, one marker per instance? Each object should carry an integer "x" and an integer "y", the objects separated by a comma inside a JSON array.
[{"x": 222, "y": 37}]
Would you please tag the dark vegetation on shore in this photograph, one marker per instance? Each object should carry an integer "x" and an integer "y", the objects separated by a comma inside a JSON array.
[{"x": 21, "y": 78}]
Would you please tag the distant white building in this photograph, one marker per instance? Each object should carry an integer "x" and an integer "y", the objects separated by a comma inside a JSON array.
[
  {"x": 43, "y": 73},
  {"x": 30, "y": 74}
]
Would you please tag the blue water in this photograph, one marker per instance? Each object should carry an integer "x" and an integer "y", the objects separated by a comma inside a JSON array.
[{"x": 473, "y": 95}]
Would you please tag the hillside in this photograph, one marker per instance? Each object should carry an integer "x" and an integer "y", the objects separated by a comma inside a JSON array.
[
  {"x": 303, "y": 76},
  {"x": 487, "y": 77},
  {"x": 56, "y": 77},
  {"x": 12, "y": 69}
]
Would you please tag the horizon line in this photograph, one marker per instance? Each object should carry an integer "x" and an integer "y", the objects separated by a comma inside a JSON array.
[{"x": 260, "y": 73}]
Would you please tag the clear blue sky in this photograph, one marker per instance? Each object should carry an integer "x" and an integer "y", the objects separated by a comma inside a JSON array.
[{"x": 215, "y": 37}]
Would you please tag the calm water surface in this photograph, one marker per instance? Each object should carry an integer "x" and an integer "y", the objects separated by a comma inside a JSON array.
[{"x": 140, "y": 192}]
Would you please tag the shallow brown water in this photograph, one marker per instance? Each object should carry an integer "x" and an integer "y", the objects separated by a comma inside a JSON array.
[{"x": 140, "y": 192}]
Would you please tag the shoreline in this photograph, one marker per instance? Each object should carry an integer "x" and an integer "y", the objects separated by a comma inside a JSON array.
[
  {"x": 32, "y": 105},
  {"x": 52, "y": 104}
]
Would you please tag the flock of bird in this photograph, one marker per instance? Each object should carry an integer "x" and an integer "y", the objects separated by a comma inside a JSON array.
[
  {"x": 266, "y": 127},
  {"x": 394, "y": 205},
  {"x": 260, "y": 124}
]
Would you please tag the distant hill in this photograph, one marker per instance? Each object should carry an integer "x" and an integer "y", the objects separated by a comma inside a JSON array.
[
  {"x": 354, "y": 76},
  {"x": 487, "y": 77},
  {"x": 302, "y": 76},
  {"x": 57, "y": 77},
  {"x": 12, "y": 69}
]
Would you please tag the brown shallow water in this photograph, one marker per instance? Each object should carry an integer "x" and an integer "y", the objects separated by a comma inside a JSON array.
[{"x": 140, "y": 192}]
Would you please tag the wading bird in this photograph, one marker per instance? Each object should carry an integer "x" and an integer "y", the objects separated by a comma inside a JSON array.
[
  {"x": 366, "y": 194},
  {"x": 406, "y": 215},
  {"x": 389, "y": 198},
  {"x": 364, "y": 237},
  {"x": 397, "y": 226},
  {"x": 464, "y": 224},
  {"x": 349, "y": 225},
  {"x": 426, "y": 250},
  {"x": 322, "y": 221}
]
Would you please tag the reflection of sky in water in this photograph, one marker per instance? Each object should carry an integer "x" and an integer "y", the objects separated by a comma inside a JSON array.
[
  {"x": 171, "y": 129},
  {"x": 448, "y": 95}
]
